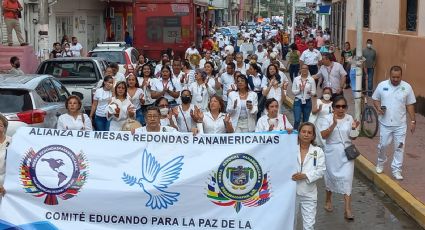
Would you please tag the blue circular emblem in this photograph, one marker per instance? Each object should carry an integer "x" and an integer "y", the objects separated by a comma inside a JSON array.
[
  {"x": 54, "y": 169},
  {"x": 239, "y": 177}
]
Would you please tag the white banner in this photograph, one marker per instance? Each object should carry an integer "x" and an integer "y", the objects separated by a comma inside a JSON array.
[{"x": 60, "y": 179}]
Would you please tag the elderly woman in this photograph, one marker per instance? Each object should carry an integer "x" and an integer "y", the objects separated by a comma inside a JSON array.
[
  {"x": 4, "y": 142},
  {"x": 201, "y": 90},
  {"x": 338, "y": 131},
  {"x": 74, "y": 119},
  {"x": 166, "y": 115},
  {"x": 242, "y": 106},
  {"x": 311, "y": 167}
]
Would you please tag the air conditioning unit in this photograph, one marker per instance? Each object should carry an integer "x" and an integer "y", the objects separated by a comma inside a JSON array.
[
  {"x": 30, "y": 1},
  {"x": 110, "y": 12}
]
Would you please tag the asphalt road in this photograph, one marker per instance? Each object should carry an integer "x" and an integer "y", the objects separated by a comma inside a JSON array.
[{"x": 373, "y": 210}]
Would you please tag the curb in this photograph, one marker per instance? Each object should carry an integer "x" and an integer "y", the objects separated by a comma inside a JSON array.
[{"x": 403, "y": 198}]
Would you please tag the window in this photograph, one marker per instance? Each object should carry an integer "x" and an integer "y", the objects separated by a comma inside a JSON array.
[
  {"x": 111, "y": 56},
  {"x": 14, "y": 100},
  {"x": 70, "y": 72},
  {"x": 42, "y": 93},
  {"x": 408, "y": 15},
  {"x": 134, "y": 56},
  {"x": 63, "y": 93},
  {"x": 411, "y": 15},
  {"x": 366, "y": 13},
  {"x": 51, "y": 91}
]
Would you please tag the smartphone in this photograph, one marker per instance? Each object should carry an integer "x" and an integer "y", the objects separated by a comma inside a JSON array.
[{"x": 384, "y": 107}]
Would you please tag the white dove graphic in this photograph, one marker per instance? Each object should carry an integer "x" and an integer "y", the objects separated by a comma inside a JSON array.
[{"x": 156, "y": 179}]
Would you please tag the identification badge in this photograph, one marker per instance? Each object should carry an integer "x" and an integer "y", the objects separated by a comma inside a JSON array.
[
  {"x": 303, "y": 101},
  {"x": 385, "y": 89}
]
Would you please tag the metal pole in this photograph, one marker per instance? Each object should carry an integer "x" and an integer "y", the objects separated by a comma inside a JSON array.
[
  {"x": 293, "y": 22},
  {"x": 259, "y": 13},
  {"x": 359, "y": 59},
  {"x": 43, "y": 39}
]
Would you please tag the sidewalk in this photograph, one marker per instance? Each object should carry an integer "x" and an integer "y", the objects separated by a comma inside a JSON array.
[{"x": 409, "y": 193}]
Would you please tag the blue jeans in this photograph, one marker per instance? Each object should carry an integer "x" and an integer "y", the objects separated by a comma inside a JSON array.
[
  {"x": 293, "y": 71},
  {"x": 139, "y": 116},
  {"x": 101, "y": 123},
  {"x": 304, "y": 109},
  {"x": 370, "y": 72}
]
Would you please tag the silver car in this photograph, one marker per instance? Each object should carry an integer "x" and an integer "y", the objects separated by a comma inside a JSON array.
[{"x": 31, "y": 100}]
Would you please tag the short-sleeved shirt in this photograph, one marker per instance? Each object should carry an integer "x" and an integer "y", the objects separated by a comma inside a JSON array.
[
  {"x": 332, "y": 75},
  {"x": 227, "y": 80},
  {"x": 395, "y": 98},
  {"x": 172, "y": 85},
  {"x": 10, "y": 5},
  {"x": 76, "y": 49},
  {"x": 311, "y": 57},
  {"x": 103, "y": 97},
  {"x": 370, "y": 55}
]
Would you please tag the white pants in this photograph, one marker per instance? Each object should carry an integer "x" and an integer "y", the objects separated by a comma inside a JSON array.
[
  {"x": 387, "y": 135},
  {"x": 308, "y": 211},
  {"x": 242, "y": 126}
]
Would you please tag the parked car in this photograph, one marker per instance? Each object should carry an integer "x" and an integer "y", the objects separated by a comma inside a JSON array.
[
  {"x": 125, "y": 56},
  {"x": 31, "y": 100},
  {"x": 79, "y": 74}
]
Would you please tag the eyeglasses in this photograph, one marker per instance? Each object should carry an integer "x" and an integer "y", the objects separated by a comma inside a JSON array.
[
  {"x": 341, "y": 106},
  {"x": 152, "y": 116}
]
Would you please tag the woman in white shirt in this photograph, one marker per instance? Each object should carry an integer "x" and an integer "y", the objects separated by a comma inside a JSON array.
[
  {"x": 101, "y": 99},
  {"x": 183, "y": 113},
  {"x": 166, "y": 115},
  {"x": 145, "y": 82},
  {"x": 321, "y": 109},
  {"x": 338, "y": 131},
  {"x": 303, "y": 88},
  {"x": 212, "y": 78},
  {"x": 242, "y": 106},
  {"x": 120, "y": 108},
  {"x": 4, "y": 143},
  {"x": 187, "y": 76},
  {"x": 276, "y": 87},
  {"x": 215, "y": 120},
  {"x": 201, "y": 90},
  {"x": 273, "y": 120},
  {"x": 136, "y": 96},
  {"x": 311, "y": 167},
  {"x": 257, "y": 82},
  {"x": 74, "y": 119},
  {"x": 240, "y": 64}
]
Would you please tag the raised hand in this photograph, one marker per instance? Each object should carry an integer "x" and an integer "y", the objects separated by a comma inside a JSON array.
[
  {"x": 142, "y": 99},
  {"x": 355, "y": 124},
  {"x": 226, "y": 118},
  {"x": 175, "y": 111}
]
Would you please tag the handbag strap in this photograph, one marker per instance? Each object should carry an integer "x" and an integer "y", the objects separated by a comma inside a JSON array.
[
  {"x": 184, "y": 118},
  {"x": 82, "y": 118},
  {"x": 342, "y": 140}
]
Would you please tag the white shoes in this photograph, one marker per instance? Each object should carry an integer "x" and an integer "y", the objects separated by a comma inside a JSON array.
[
  {"x": 379, "y": 169},
  {"x": 397, "y": 175}
]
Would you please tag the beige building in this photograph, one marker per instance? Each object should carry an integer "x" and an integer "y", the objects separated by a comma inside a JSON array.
[{"x": 397, "y": 28}]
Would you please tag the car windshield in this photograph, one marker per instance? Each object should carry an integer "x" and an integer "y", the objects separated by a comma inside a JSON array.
[
  {"x": 14, "y": 100},
  {"x": 70, "y": 71},
  {"x": 117, "y": 57}
]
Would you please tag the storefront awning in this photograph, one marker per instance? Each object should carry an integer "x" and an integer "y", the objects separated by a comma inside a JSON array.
[{"x": 325, "y": 10}]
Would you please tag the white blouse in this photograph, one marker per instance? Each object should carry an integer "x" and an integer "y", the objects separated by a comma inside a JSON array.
[
  {"x": 102, "y": 97},
  {"x": 184, "y": 120},
  {"x": 163, "y": 129},
  {"x": 201, "y": 95},
  {"x": 3, "y": 147},
  {"x": 309, "y": 87},
  {"x": 118, "y": 122},
  {"x": 281, "y": 122},
  {"x": 66, "y": 121},
  {"x": 135, "y": 99},
  {"x": 211, "y": 125}
]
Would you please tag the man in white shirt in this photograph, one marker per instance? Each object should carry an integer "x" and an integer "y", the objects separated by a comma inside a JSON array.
[
  {"x": 261, "y": 54},
  {"x": 311, "y": 57},
  {"x": 333, "y": 75},
  {"x": 227, "y": 79},
  {"x": 76, "y": 48},
  {"x": 191, "y": 50},
  {"x": 391, "y": 99},
  {"x": 153, "y": 123}
]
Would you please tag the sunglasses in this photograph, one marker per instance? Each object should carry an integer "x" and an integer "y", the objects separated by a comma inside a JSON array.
[{"x": 341, "y": 106}]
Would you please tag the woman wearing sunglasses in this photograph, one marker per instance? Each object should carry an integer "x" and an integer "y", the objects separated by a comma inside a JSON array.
[{"x": 339, "y": 130}]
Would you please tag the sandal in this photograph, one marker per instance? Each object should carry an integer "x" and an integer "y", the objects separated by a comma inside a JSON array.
[
  {"x": 348, "y": 218},
  {"x": 328, "y": 209}
]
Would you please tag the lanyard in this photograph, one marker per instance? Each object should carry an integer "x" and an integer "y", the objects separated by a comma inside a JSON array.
[
  {"x": 165, "y": 86},
  {"x": 303, "y": 84},
  {"x": 184, "y": 118}
]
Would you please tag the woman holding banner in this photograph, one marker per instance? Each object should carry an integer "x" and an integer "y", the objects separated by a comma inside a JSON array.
[
  {"x": 311, "y": 167},
  {"x": 215, "y": 120},
  {"x": 4, "y": 143}
]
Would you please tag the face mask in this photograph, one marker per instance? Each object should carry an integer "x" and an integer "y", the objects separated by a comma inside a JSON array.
[
  {"x": 186, "y": 99},
  {"x": 163, "y": 111},
  {"x": 66, "y": 49},
  {"x": 327, "y": 97},
  {"x": 369, "y": 46},
  {"x": 17, "y": 65}
]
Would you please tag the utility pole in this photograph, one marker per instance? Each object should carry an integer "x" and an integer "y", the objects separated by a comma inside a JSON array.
[
  {"x": 293, "y": 22},
  {"x": 358, "y": 59},
  {"x": 43, "y": 39}
]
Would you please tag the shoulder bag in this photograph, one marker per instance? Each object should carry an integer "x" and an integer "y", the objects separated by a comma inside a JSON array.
[{"x": 351, "y": 152}]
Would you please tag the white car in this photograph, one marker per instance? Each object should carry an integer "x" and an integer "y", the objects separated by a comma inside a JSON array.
[
  {"x": 31, "y": 100},
  {"x": 126, "y": 57}
]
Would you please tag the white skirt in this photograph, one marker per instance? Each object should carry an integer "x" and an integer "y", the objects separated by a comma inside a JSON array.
[{"x": 339, "y": 170}]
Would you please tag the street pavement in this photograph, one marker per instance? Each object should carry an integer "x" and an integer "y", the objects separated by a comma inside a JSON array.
[{"x": 371, "y": 207}]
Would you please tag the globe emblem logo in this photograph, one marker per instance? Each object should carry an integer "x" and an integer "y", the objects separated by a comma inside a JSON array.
[{"x": 54, "y": 171}]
